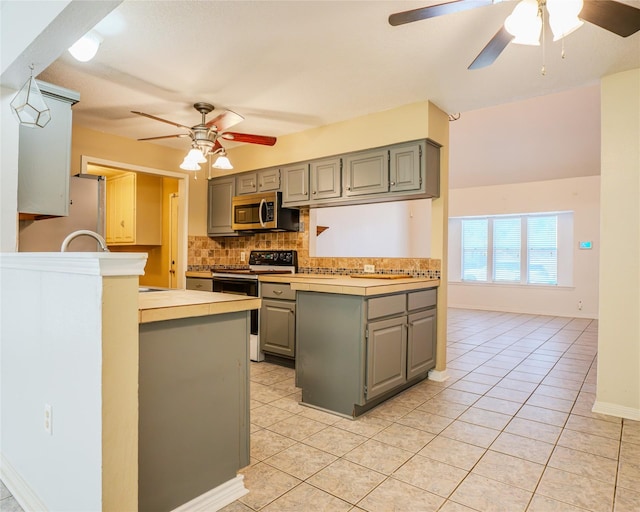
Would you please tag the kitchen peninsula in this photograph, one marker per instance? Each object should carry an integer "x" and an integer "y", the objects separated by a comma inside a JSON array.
[
  {"x": 78, "y": 341},
  {"x": 361, "y": 341}
]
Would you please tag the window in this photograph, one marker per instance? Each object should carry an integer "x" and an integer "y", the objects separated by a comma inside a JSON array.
[
  {"x": 542, "y": 250},
  {"x": 474, "y": 250},
  {"x": 518, "y": 249}
]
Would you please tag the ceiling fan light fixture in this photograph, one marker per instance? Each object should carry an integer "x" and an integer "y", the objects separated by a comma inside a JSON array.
[
  {"x": 222, "y": 162},
  {"x": 189, "y": 165},
  {"x": 563, "y": 17},
  {"x": 196, "y": 155},
  {"x": 85, "y": 48},
  {"x": 525, "y": 23}
]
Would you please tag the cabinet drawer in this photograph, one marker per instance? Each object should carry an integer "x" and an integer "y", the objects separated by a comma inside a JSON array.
[
  {"x": 422, "y": 299},
  {"x": 386, "y": 306},
  {"x": 202, "y": 284},
  {"x": 278, "y": 291}
]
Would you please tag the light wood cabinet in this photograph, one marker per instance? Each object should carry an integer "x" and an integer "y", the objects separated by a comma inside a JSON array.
[
  {"x": 134, "y": 210},
  {"x": 44, "y": 157}
]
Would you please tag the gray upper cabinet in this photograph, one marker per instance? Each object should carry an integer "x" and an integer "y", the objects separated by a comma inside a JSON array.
[
  {"x": 405, "y": 168},
  {"x": 325, "y": 178},
  {"x": 366, "y": 173},
  {"x": 269, "y": 179},
  {"x": 247, "y": 183},
  {"x": 295, "y": 187},
  {"x": 44, "y": 157},
  {"x": 219, "y": 211}
]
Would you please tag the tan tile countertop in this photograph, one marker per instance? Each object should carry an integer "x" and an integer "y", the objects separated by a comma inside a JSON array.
[
  {"x": 198, "y": 273},
  {"x": 171, "y": 304},
  {"x": 348, "y": 285}
]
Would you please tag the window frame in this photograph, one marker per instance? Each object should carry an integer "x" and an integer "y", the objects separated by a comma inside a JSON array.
[{"x": 564, "y": 256}]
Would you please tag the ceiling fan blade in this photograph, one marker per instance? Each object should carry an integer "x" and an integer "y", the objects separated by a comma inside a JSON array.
[
  {"x": 251, "y": 139},
  {"x": 225, "y": 120},
  {"x": 423, "y": 13},
  {"x": 216, "y": 146},
  {"x": 621, "y": 19},
  {"x": 492, "y": 51},
  {"x": 167, "y": 136},
  {"x": 161, "y": 120}
]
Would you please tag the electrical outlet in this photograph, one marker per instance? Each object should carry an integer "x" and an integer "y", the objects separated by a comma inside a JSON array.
[
  {"x": 301, "y": 227},
  {"x": 48, "y": 419},
  {"x": 580, "y": 305},
  {"x": 370, "y": 269},
  {"x": 243, "y": 256}
]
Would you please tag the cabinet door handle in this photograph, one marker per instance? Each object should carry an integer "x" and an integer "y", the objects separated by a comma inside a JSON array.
[
  {"x": 277, "y": 292},
  {"x": 315, "y": 192},
  {"x": 122, "y": 223},
  {"x": 348, "y": 188},
  {"x": 393, "y": 183}
]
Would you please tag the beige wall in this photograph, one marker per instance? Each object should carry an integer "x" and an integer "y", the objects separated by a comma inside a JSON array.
[{"x": 618, "y": 390}]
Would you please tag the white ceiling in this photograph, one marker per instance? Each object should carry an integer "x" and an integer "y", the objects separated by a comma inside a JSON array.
[{"x": 288, "y": 66}]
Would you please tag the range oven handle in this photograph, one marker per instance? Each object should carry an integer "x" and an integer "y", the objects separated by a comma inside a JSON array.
[{"x": 263, "y": 203}]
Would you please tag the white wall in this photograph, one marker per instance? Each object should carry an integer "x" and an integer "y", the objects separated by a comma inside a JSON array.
[
  {"x": 401, "y": 229},
  {"x": 8, "y": 173},
  {"x": 580, "y": 195},
  {"x": 52, "y": 354}
]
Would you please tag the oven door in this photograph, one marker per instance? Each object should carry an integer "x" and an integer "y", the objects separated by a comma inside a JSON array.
[{"x": 239, "y": 286}]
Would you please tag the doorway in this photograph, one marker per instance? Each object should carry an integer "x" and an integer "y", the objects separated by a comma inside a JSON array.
[{"x": 167, "y": 257}]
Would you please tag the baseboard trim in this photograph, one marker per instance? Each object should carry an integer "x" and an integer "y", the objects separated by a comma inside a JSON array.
[
  {"x": 216, "y": 498},
  {"x": 438, "y": 375},
  {"x": 619, "y": 411},
  {"x": 19, "y": 488}
]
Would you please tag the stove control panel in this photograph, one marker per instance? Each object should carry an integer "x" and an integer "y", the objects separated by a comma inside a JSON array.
[{"x": 283, "y": 258}]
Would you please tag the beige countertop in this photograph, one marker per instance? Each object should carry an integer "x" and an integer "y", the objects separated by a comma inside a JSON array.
[
  {"x": 349, "y": 285},
  {"x": 171, "y": 304}
]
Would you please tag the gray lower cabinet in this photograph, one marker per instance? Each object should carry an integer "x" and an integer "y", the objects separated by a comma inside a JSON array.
[
  {"x": 44, "y": 157},
  {"x": 355, "y": 352},
  {"x": 193, "y": 394},
  {"x": 201, "y": 284},
  {"x": 219, "y": 211},
  {"x": 421, "y": 342},
  {"x": 386, "y": 356},
  {"x": 278, "y": 320}
]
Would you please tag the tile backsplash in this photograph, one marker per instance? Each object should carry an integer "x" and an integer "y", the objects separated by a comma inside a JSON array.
[{"x": 206, "y": 253}]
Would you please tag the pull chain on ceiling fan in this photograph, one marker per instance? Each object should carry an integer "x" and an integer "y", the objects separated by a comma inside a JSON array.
[
  {"x": 525, "y": 23},
  {"x": 204, "y": 136}
]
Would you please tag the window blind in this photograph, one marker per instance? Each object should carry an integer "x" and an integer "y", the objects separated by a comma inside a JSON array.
[
  {"x": 506, "y": 249},
  {"x": 474, "y": 249},
  {"x": 542, "y": 250}
]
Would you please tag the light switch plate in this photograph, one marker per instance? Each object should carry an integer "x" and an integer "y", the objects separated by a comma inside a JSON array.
[{"x": 370, "y": 269}]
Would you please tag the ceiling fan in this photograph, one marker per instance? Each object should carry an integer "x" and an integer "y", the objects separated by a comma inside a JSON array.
[
  {"x": 204, "y": 136},
  {"x": 525, "y": 23}
]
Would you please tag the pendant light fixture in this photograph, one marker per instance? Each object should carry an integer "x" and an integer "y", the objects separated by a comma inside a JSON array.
[
  {"x": 29, "y": 107},
  {"x": 222, "y": 162}
]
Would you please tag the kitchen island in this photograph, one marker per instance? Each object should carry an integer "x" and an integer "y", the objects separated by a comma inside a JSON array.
[
  {"x": 78, "y": 342},
  {"x": 361, "y": 341},
  {"x": 193, "y": 397}
]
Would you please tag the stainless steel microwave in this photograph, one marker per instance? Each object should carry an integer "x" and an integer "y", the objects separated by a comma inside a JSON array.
[{"x": 263, "y": 212}]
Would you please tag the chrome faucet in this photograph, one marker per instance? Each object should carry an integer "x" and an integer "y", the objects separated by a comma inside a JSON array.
[{"x": 81, "y": 232}]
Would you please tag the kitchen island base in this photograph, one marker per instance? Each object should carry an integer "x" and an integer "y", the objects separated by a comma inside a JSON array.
[
  {"x": 194, "y": 407},
  {"x": 355, "y": 352}
]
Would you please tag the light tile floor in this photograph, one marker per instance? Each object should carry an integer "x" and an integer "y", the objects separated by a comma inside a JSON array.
[{"x": 511, "y": 430}]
